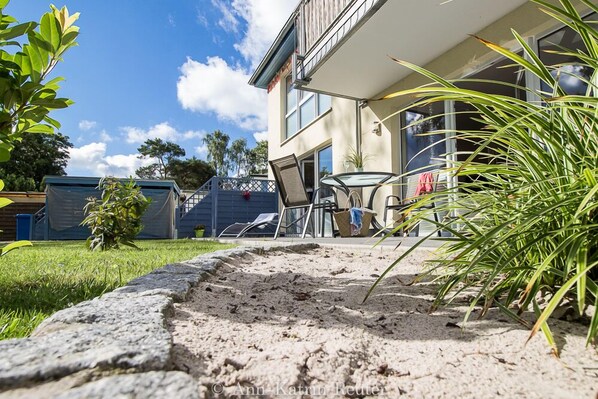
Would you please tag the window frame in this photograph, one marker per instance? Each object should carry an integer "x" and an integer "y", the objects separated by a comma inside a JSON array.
[{"x": 301, "y": 98}]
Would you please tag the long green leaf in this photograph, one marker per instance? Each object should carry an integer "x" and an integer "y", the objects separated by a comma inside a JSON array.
[
  {"x": 14, "y": 245},
  {"x": 556, "y": 300},
  {"x": 547, "y": 333},
  {"x": 17, "y": 30}
]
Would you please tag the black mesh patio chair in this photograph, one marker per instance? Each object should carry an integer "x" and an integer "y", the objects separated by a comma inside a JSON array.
[
  {"x": 401, "y": 204},
  {"x": 293, "y": 194},
  {"x": 263, "y": 224}
]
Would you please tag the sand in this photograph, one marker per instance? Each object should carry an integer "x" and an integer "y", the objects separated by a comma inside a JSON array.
[{"x": 293, "y": 325}]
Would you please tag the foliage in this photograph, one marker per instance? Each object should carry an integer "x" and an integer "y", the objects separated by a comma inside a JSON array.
[
  {"x": 17, "y": 244},
  {"x": 257, "y": 158},
  {"x": 38, "y": 281},
  {"x": 26, "y": 98},
  {"x": 357, "y": 159},
  {"x": 36, "y": 156},
  {"x": 192, "y": 173},
  {"x": 164, "y": 153},
  {"x": 189, "y": 173},
  {"x": 238, "y": 155},
  {"x": 199, "y": 227},
  {"x": 15, "y": 182},
  {"x": 115, "y": 218},
  {"x": 526, "y": 225},
  {"x": 244, "y": 161},
  {"x": 217, "y": 144}
]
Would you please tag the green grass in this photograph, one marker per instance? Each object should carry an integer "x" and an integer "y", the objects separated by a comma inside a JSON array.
[{"x": 37, "y": 281}]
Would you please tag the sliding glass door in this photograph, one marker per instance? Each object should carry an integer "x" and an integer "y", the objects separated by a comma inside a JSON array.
[{"x": 424, "y": 144}]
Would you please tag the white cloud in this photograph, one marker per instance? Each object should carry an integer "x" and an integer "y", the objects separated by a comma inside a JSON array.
[
  {"x": 160, "y": 131},
  {"x": 201, "y": 19},
  {"x": 171, "y": 20},
  {"x": 193, "y": 134},
  {"x": 122, "y": 165},
  {"x": 202, "y": 151},
  {"x": 260, "y": 136},
  {"x": 86, "y": 125},
  {"x": 265, "y": 18},
  {"x": 164, "y": 131},
  {"x": 228, "y": 22},
  {"x": 91, "y": 160},
  {"x": 105, "y": 137},
  {"x": 85, "y": 159},
  {"x": 222, "y": 89},
  {"x": 219, "y": 87}
]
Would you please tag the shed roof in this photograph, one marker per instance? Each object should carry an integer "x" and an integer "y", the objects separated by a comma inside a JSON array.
[{"x": 93, "y": 181}]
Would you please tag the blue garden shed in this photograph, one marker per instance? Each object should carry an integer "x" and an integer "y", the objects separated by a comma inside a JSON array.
[{"x": 66, "y": 196}]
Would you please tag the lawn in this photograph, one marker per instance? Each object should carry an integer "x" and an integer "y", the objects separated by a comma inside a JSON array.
[{"x": 37, "y": 281}]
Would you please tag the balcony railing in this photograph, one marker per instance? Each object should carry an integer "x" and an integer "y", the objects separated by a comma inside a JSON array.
[
  {"x": 323, "y": 25},
  {"x": 316, "y": 16}
]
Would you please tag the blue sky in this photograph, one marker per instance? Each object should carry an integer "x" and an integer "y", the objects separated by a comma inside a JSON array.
[{"x": 160, "y": 68}]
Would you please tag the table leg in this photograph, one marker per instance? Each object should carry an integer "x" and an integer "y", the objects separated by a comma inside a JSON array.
[{"x": 375, "y": 222}]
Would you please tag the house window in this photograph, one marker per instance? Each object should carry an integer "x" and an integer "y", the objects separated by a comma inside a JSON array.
[
  {"x": 302, "y": 107},
  {"x": 424, "y": 150},
  {"x": 572, "y": 78}
]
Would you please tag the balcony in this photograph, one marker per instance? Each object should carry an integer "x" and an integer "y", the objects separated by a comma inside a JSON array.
[{"x": 343, "y": 45}]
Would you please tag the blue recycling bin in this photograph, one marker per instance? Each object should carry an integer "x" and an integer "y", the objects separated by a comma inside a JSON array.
[{"x": 24, "y": 226}]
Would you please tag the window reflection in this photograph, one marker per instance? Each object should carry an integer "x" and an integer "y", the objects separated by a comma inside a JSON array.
[
  {"x": 424, "y": 151},
  {"x": 302, "y": 107},
  {"x": 571, "y": 78},
  {"x": 325, "y": 169}
]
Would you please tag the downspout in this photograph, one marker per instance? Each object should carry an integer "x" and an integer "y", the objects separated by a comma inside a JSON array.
[{"x": 358, "y": 126}]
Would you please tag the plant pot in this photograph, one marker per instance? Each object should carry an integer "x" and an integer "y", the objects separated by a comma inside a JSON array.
[
  {"x": 359, "y": 169},
  {"x": 199, "y": 233}
]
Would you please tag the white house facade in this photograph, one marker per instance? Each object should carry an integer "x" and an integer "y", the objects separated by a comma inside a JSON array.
[{"x": 331, "y": 63}]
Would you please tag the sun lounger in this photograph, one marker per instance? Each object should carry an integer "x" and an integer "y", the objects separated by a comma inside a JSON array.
[{"x": 257, "y": 227}]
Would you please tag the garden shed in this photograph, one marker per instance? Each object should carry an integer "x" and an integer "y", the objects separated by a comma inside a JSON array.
[
  {"x": 22, "y": 203},
  {"x": 66, "y": 196}
]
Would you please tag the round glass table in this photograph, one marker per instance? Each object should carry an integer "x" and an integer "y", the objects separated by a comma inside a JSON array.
[{"x": 348, "y": 181}]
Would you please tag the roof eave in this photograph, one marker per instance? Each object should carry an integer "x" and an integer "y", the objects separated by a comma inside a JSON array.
[{"x": 273, "y": 50}]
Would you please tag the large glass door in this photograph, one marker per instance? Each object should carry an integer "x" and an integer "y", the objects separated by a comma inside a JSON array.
[
  {"x": 313, "y": 167},
  {"x": 424, "y": 144},
  {"x": 324, "y": 167}
]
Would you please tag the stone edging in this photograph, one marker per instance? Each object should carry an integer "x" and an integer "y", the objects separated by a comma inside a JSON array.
[{"x": 116, "y": 344}]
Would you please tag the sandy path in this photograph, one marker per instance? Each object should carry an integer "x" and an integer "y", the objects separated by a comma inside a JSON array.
[{"x": 293, "y": 324}]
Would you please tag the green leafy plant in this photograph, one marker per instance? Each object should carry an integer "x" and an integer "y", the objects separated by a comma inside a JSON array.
[
  {"x": 115, "y": 218},
  {"x": 26, "y": 99},
  {"x": 357, "y": 158},
  {"x": 525, "y": 227},
  {"x": 199, "y": 230}
]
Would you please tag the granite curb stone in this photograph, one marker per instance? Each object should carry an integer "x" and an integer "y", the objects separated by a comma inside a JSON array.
[{"x": 155, "y": 384}]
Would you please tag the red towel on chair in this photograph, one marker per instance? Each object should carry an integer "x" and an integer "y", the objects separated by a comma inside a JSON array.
[{"x": 425, "y": 183}]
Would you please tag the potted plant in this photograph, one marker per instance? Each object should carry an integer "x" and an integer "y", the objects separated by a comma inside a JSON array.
[
  {"x": 199, "y": 229},
  {"x": 357, "y": 159}
]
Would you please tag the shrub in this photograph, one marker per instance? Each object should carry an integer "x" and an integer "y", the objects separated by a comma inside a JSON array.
[
  {"x": 29, "y": 52},
  {"x": 525, "y": 227},
  {"x": 115, "y": 218}
]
